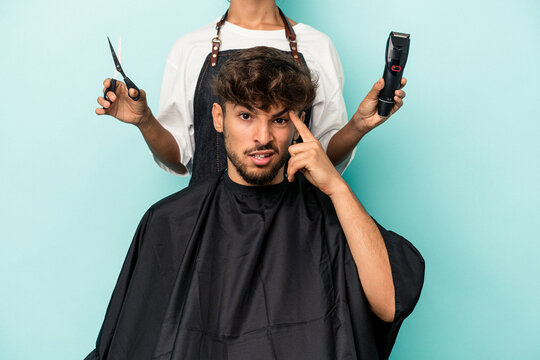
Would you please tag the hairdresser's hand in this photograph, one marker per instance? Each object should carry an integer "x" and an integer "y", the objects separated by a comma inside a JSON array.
[
  {"x": 366, "y": 117},
  {"x": 121, "y": 106},
  {"x": 311, "y": 160}
]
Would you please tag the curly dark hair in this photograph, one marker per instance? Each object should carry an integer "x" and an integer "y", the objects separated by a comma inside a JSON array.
[{"x": 262, "y": 77}]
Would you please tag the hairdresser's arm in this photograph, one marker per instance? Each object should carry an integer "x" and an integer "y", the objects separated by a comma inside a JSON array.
[
  {"x": 363, "y": 121},
  {"x": 159, "y": 140}
]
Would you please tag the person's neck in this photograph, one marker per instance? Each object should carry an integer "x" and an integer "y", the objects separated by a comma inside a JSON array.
[{"x": 255, "y": 14}]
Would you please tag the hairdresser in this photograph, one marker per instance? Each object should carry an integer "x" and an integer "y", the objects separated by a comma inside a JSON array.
[{"x": 182, "y": 137}]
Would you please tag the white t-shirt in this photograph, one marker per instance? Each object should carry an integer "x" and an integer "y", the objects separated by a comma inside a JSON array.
[{"x": 186, "y": 59}]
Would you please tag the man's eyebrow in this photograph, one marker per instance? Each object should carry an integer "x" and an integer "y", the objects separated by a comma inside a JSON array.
[
  {"x": 250, "y": 108},
  {"x": 280, "y": 113}
]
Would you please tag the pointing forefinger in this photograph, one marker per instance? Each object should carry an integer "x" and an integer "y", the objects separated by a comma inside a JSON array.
[{"x": 301, "y": 127}]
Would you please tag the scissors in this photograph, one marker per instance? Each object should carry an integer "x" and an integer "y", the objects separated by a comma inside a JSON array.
[{"x": 118, "y": 69}]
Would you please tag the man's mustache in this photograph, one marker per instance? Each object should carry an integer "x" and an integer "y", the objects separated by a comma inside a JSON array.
[{"x": 261, "y": 148}]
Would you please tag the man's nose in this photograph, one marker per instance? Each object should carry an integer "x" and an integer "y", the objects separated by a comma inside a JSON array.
[{"x": 262, "y": 133}]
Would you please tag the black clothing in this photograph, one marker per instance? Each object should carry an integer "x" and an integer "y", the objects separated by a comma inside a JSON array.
[{"x": 221, "y": 271}]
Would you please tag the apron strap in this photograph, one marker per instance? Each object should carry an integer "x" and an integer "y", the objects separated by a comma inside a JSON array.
[
  {"x": 291, "y": 36},
  {"x": 216, "y": 41},
  {"x": 289, "y": 33}
]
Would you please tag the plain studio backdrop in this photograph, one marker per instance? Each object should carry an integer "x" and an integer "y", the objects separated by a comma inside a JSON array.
[{"x": 456, "y": 171}]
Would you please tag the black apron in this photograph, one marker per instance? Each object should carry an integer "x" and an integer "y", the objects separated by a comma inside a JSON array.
[{"x": 209, "y": 157}]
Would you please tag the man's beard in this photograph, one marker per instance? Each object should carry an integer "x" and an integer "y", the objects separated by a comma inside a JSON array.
[{"x": 260, "y": 177}]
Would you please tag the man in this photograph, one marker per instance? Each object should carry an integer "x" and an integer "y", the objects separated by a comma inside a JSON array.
[{"x": 275, "y": 259}]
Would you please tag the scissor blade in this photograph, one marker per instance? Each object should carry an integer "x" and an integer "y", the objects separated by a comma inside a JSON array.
[
  {"x": 119, "y": 57},
  {"x": 115, "y": 58},
  {"x": 120, "y": 50}
]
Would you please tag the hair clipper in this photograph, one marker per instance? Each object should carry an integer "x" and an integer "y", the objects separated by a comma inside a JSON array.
[{"x": 397, "y": 50}]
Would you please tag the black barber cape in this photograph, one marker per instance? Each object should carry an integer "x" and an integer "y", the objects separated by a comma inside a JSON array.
[{"x": 221, "y": 271}]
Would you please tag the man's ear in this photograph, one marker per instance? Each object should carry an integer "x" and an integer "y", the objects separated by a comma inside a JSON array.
[
  {"x": 217, "y": 115},
  {"x": 296, "y": 133}
]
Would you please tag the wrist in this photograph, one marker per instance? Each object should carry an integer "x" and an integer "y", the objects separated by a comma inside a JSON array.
[
  {"x": 359, "y": 124},
  {"x": 339, "y": 188},
  {"x": 146, "y": 121}
]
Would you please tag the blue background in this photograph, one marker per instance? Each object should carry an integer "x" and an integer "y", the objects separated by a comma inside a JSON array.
[{"x": 456, "y": 170}]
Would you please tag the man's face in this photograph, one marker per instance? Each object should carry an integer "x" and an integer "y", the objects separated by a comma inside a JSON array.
[{"x": 256, "y": 142}]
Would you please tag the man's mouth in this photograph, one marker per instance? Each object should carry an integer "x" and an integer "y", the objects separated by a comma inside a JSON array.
[{"x": 261, "y": 158}]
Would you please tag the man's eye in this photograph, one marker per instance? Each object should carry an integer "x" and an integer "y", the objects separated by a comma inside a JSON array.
[
  {"x": 245, "y": 116},
  {"x": 281, "y": 121}
]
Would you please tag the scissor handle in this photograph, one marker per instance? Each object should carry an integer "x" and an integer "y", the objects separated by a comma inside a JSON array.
[
  {"x": 131, "y": 85},
  {"x": 112, "y": 87}
]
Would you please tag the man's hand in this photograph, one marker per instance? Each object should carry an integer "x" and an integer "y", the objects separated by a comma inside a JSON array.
[
  {"x": 366, "y": 117},
  {"x": 121, "y": 106},
  {"x": 310, "y": 158}
]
